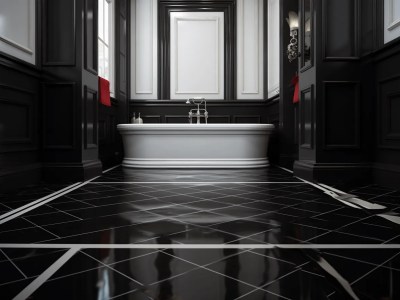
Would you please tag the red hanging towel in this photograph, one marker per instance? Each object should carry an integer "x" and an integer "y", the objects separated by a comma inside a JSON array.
[
  {"x": 104, "y": 92},
  {"x": 295, "y": 82}
]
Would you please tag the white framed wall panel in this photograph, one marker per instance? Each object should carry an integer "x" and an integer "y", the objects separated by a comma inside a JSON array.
[
  {"x": 17, "y": 29},
  {"x": 250, "y": 49},
  {"x": 273, "y": 47},
  {"x": 144, "y": 49},
  {"x": 392, "y": 20},
  {"x": 197, "y": 55}
]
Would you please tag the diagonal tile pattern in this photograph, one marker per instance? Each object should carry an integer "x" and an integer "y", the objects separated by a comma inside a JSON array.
[{"x": 106, "y": 220}]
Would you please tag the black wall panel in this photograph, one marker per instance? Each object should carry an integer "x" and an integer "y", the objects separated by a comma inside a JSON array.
[
  {"x": 17, "y": 118},
  {"x": 341, "y": 113},
  {"x": 58, "y": 16},
  {"x": 341, "y": 29},
  {"x": 388, "y": 113},
  {"x": 307, "y": 104},
  {"x": 59, "y": 127},
  {"x": 19, "y": 123},
  {"x": 90, "y": 35},
  {"x": 90, "y": 118}
]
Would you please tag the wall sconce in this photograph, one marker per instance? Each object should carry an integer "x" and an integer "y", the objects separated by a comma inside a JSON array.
[{"x": 293, "y": 49}]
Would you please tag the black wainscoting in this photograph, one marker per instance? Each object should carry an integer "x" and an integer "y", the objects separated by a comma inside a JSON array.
[
  {"x": 19, "y": 123},
  {"x": 70, "y": 90},
  {"x": 335, "y": 107},
  {"x": 387, "y": 112},
  {"x": 246, "y": 111},
  {"x": 51, "y": 124}
]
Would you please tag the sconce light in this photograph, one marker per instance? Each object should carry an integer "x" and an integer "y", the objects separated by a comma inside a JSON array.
[{"x": 293, "y": 21}]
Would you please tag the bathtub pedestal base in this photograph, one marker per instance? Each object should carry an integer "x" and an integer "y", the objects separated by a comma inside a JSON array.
[{"x": 195, "y": 163}]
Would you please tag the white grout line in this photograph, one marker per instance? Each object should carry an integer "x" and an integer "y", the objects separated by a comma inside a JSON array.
[
  {"x": 42, "y": 278},
  {"x": 111, "y": 268},
  {"x": 224, "y": 275},
  {"x": 20, "y": 211},
  {"x": 11, "y": 261},
  {"x": 37, "y": 201},
  {"x": 110, "y": 169},
  {"x": 203, "y": 246},
  {"x": 262, "y": 288},
  {"x": 287, "y": 170},
  {"x": 381, "y": 265},
  {"x": 38, "y": 226},
  {"x": 330, "y": 193},
  {"x": 197, "y": 182}
]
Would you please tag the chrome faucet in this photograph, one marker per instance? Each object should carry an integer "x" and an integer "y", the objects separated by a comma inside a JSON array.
[{"x": 197, "y": 113}]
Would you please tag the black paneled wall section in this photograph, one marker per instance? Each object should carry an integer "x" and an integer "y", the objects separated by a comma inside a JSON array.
[
  {"x": 334, "y": 142},
  {"x": 19, "y": 123},
  {"x": 69, "y": 40}
]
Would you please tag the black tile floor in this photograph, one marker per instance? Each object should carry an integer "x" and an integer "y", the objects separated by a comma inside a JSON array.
[{"x": 199, "y": 234}]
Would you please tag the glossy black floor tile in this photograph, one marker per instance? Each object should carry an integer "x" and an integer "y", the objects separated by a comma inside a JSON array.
[
  {"x": 196, "y": 208},
  {"x": 100, "y": 283},
  {"x": 19, "y": 267}
]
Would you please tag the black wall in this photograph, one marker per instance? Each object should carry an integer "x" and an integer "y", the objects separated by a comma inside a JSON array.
[
  {"x": 51, "y": 124},
  {"x": 386, "y": 167},
  {"x": 20, "y": 112},
  {"x": 349, "y": 106}
]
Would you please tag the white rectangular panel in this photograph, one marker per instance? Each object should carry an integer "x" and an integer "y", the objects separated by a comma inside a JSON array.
[
  {"x": 392, "y": 20},
  {"x": 250, "y": 48},
  {"x": 273, "y": 47},
  {"x": 197, "y": 55},
  {"x": 144, "y": 49},
  {"x": 17, "y": 29}
]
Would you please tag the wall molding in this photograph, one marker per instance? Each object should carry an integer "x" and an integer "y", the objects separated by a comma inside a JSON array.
[
  {"x": 257, "y": 32},
  {"x": 24, "y": 52},
  {"x": 393, "y": 23},
  {"x": 176, "y": 93},
  {"x": 150, "y": 70},
  {"x": 164, "y": 9}
]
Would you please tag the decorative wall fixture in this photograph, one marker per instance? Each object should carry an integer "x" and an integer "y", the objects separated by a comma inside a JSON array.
[{"x": 293, "y": 21}]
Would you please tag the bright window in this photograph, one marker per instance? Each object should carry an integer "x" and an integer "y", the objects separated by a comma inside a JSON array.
[{"x": 106, "y": 41}]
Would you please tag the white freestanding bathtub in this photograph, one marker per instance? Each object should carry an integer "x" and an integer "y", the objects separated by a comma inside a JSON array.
[{"x": 195, "y": 145}]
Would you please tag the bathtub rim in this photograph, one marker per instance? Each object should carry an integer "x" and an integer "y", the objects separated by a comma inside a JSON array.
[{"x": 126, "y": 128}]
